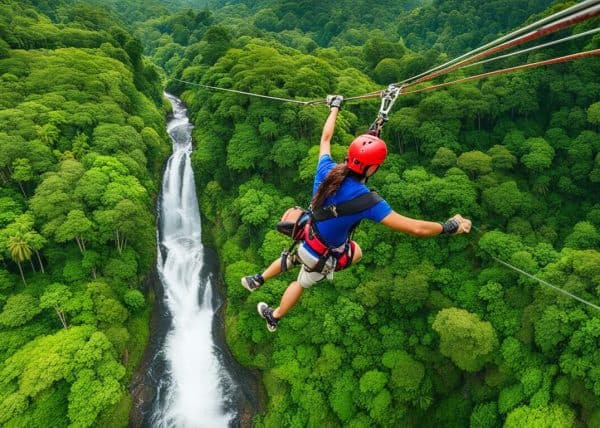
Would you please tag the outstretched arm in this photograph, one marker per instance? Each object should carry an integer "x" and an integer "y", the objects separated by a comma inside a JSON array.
[
  {"x": 422, "y": 228},
  {"x": 334, "y": 108}
]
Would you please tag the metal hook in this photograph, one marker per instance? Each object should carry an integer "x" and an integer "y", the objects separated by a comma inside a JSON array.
[{"x": 388, "y": 98}]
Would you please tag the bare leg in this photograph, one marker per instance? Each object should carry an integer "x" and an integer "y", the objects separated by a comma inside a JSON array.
[
  {"x": 357, "y": 254},
  {"x": 273, "y": 270},
  {"x": 289, "y": 299}
]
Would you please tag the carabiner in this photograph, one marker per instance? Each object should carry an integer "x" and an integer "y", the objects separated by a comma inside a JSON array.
[{"x": 388, "y": 98}]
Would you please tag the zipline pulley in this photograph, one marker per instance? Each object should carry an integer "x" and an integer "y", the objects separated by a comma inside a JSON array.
[{"x": 388, "y": 98}]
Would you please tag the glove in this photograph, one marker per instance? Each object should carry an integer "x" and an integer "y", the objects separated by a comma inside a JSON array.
[
  {"x": 456, "y": 225},
  {"x": 335, "y": 101},
  {"x": 450, "y": 227}
]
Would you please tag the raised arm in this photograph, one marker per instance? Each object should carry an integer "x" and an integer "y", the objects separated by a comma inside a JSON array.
[
  {"x": 335, "y": 103},
  {"x": 410, "y": 226}
]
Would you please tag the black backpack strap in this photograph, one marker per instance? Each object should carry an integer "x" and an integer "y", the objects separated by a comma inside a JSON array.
[{"x": 353, "y": 206}]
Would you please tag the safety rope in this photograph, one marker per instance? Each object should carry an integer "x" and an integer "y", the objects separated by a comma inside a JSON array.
[
  {"x": 533, "y": 35},
  {"x": 557, "y": 15},
  {"x": 507, "y": 70},
  {"x": 535, "y": 48},
  {"x": 541, "y": 281}
]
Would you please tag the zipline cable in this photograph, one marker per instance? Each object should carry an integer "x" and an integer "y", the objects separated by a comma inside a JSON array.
[
  {"x": 546, "y": 283},
  {"x": 535, "y": 34},
  {"x": 565, "y": 58},
  {"x": 589, "y": 10},
  {"x": 557, "y": 15},
  {"x": 506, "y": 70},
  {"x": 377, "y": 94},
  {"x": 541, "y": 281},
  {"x": 252, "y": 94},
  {"x": 577, "y": 15},
  {"x": 534, "y": 48}
]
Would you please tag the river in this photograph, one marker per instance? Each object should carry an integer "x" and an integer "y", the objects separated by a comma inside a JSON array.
[{"x": 189, "y": 378}]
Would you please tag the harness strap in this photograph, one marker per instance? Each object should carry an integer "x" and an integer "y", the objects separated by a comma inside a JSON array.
[
  {"x": 353, "y": 206},
  {"x": 310, "y": 235}
]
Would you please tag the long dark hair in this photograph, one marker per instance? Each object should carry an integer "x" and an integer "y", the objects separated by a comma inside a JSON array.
[{"x": 330, "y": 185}]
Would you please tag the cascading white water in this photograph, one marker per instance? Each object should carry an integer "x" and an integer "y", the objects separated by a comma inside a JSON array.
[{"x": 194, "y": 393}]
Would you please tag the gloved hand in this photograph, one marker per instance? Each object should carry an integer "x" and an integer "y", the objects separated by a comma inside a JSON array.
[
  {"x": 456, "y": 225},
  {"x": 335, "y": 101}
]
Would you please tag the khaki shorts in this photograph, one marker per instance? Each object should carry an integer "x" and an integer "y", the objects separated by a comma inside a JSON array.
[{"x": 309, "y": 261}]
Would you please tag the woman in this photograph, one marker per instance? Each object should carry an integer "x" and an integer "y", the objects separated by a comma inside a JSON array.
[{"x": 328, "y": 240}]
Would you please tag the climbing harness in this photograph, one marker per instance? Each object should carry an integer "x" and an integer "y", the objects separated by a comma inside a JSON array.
[{"x": 304, "y": 229}]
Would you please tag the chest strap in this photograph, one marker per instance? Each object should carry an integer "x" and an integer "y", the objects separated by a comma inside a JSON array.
[{"x": 353, "y": 206}]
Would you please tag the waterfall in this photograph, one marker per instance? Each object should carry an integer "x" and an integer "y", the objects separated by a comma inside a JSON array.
[{"x": 196, "y": 388}]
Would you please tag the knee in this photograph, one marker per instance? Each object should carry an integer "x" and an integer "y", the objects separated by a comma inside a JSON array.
[{"x": 357, "y": 253}]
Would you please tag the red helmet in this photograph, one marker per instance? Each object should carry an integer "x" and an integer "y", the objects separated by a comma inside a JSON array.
[{"x": 364, "y": 151}]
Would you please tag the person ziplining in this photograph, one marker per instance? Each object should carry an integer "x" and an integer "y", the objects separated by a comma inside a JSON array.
[
  {"x": 340, "y": 195},
  {"x": 325, "y": 240}
]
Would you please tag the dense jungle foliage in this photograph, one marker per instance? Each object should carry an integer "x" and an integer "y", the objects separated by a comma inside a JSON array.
[
  {"x": 422, "y": 332},
  {"x": 82, "y": 141}
]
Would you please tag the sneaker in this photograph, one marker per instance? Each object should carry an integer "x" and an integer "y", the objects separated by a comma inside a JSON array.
[
  {"x": 251, "y": 283},
  {"x": 267, "y": 314}
]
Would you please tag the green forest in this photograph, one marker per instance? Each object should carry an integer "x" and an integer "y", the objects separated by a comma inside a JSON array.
[{"x": 422, "y": 332}]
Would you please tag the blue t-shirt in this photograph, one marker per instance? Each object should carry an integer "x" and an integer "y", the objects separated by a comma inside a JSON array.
[{"x": 335, "y": 230}]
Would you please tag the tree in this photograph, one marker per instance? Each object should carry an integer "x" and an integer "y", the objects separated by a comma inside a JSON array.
[
  {"x": 467, "y": 340},
  {"x": 91, "y": 186},
  {"x": 76, "y": 226},
  {"x": 340, "y": 397},
  {"x": 410, "y": 293},
  {"x": 266, "y": 19},
  {"x": 20, "y": 251},
  {"x": 593, "y": 114},
  {"x": 539, "y": 156},
  {"x": 584, "y": 235},
  {"x": 21, "y": 240},
  {"x": 134, "y": 299},
  {"x": 484, "y": 415},
  {"x": 19, "y": 309},
  {"x": 387, "y": 71},
  {"x": 377, "y": 48},
  {"x": 554, "y": 415},
  {"x": 56, "y": 297},
  {"x": 22, "y": 173},
  {"x": 255, "y": 207},
  {"x": 244, "y": 150},
  {"x": 444, "y": 158},
  {"x": 372, "y": 382},
  {"x": 475, "y": 163},
  {"x": 505, "y": 199},
  {"x": 48, "y": 133},
  {"x": 406, "y": 374},
  {"x": 216, "y": 41},
  {"x": 502, "y": 158}
]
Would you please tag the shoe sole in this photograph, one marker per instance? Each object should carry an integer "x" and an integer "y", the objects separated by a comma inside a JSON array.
[
  {"x": 247, "y": 287},
  {"x": 261, "y": 304}
]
